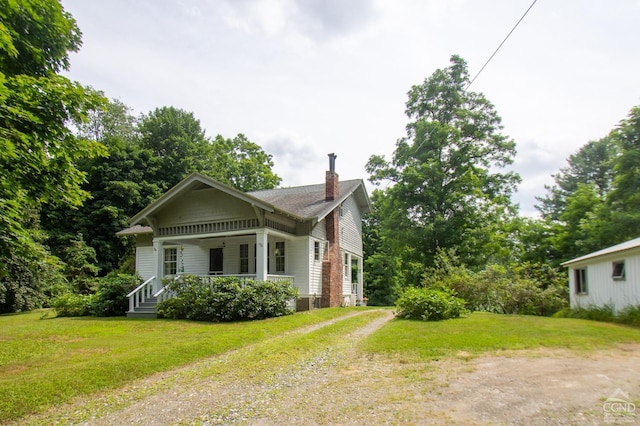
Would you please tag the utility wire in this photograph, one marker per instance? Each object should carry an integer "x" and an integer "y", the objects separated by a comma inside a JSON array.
[{"x": 498, "y": 48}]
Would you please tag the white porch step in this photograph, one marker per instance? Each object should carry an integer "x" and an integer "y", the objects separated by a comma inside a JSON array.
[{"x": 146, "y": 309}]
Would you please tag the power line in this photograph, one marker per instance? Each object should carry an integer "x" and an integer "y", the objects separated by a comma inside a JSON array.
[{"x": 503, "y": 41}]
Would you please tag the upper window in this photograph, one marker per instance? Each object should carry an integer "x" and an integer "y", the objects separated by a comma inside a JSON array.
[
  {"x": 617, "y": 270},
  {"x": 170, "y": 261},
  {"x": 581, "y": 281},
  {"x": 316, "y": 250},
  {"x": 279, "y": 256}
]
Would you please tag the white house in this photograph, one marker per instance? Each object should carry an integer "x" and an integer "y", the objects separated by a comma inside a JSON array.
[
  {"x": 310, "y": 236},
  {"x": 610, "y": 276}
]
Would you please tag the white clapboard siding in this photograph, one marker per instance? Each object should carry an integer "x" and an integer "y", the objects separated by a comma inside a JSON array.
[
  {"x": 145, "y": 262},
  {"x": 206, "y": 205},
  {"x": 351, "y": 227},
  {"x": 602, "y": 288},
  {"x": 195, "y": 259}
]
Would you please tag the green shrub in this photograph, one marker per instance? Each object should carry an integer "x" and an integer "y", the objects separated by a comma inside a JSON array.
[
  {"x": 604, "y": 313},
  {"x": 428, "y": 305},
  {"x": 30, "y": 282},
  {"x": 225, "y": 299},
  {"x": 72, "y": 305},
  {"x": 533, "y": 289},
  {"x": 630, "y": 315},
  {"x": 111, "y": 297}
]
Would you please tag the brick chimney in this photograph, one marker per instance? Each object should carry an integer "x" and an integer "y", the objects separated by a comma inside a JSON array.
[
  {"x": 331, "y": 179},
  {"x": 332, "y": 263}
]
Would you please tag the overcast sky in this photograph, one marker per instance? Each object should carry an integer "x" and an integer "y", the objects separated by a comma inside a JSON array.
[{"x": 309, "y": 77}]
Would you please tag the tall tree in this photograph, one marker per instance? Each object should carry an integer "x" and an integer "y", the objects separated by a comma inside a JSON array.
[
  {"x": 178, "y": 142},
  {"x": 118, "y": 186},
  {"x": 624, "y": 198},
  {"x": 445, "y": 188},
  {"x": 38, "y": 151},
  {"x": 242, "y": 164},
  {"x": 592, "y": 164},
  {"x": 594, "y": 202}
]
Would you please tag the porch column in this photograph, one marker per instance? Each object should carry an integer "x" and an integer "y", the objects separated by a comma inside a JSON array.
[
  {"x": 360, "y": 290},
  {"x": 159, "y": 264},
  {"x": 262, "y": 254}
]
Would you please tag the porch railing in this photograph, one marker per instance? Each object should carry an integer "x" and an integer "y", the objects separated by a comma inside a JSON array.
[
  {"x": 249, "y": 277},
  {"x": 140, "y": 294},
  {"x": 145, "y": 290}
]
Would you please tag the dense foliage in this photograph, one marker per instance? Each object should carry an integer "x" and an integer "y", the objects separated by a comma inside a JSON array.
[
  {"x": 428, "y": 305},
  {"x": 594, "y": 201},
  {"x": 225, "y": 299},
  {"x": 38, "y": 151},
  {"x": 109, "y": 300}
]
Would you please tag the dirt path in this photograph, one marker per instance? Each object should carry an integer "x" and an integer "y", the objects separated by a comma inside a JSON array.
[{"x": 340, "y": 385}]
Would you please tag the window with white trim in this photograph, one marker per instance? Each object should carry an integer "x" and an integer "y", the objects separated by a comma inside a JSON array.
[
  {"x": 170, "y": 260},
  {"x": 316, "y": 250},
  {"x": 580, "y": 276},
  {"x": 244, "y": 258},
  {"x": 347, "y": 270},
  {"x": 617, "y": 270},
  {"x": 279, "y": 256}
]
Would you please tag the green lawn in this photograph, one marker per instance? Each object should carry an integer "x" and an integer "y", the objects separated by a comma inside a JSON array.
[
  {"x": 44, "y": 362},
  {"x": 484, "y": 332},
  {"x": 48, "y": 361}
]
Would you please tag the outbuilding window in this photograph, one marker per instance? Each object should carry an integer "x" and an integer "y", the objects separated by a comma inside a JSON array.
[
  {"x": 618, "y": 272},
  {"x": 581, "y": 281}
]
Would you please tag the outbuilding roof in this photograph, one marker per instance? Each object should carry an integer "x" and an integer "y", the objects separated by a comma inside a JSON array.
[{"x": 628, "y": 245}]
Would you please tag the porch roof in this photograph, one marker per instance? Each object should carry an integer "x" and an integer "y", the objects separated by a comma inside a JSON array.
[{"x": 135, "y": 230}]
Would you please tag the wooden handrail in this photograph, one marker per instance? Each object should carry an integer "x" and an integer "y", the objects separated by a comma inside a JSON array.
[{"x": 137, "y": 289}]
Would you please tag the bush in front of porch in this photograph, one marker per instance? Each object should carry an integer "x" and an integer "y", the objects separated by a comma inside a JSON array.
[{"x": 225, "y": 299}]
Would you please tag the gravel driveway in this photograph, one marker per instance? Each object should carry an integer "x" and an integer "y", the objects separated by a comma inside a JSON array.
[{"x": 340, "y": 384}]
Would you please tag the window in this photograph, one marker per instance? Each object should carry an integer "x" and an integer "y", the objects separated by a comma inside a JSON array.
[
  {"x": 618, "y": 272},
  {"x": 347, "y": 268},
  {"x": 354, "y": 276},
  {"x": 581, "y": 281},
  {"x": 170, "y": 261},
  {"x": 216, "y": 261},
  {"x": 279, "y": 256},
  {"x": 341, "y": 210},
  {"x": 316, "y": 250},
  {"x": 244, "y": 258}
]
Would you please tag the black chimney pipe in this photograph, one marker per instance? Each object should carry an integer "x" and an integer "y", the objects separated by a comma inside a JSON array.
[{"x": 332, "y": 162}]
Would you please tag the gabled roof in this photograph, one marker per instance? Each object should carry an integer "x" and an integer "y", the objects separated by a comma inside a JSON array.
[
  {"x": 309, "y": 201},
  {"x": 192, "y": 181},
  {"x": 628, "y": 245},
  {"x": 301, "y": 202}
]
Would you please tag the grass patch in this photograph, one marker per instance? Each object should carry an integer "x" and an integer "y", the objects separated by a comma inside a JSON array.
[
  {"x": 50, "y": 361},
  {"x": 483, "y": 332}
]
